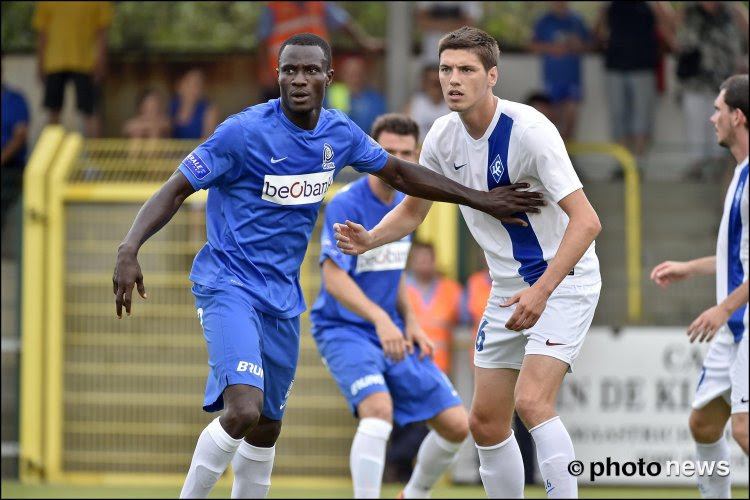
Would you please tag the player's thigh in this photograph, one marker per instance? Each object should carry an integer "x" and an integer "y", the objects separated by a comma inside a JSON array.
[
  {"x": 739, "y": 378},
  {"x": 562, "y": 327},
  {"x": 355, "y": 362},
  {"x": 232, "y": 330},
  {"x": 707, "y": 423},
  {"x": 493, "y": 403},
  {"x": 376, "y": 405},
  {"x": 419, "y": 389},
  {"x": 280, "y": 354}
]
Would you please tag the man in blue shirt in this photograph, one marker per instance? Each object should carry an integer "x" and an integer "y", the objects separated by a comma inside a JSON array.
[
  {"x": 561, "y": 36},
  {"x": 15, "y": 128},
  {"x": 358, "y": 321},
  {"x": 267, "y": 170}
]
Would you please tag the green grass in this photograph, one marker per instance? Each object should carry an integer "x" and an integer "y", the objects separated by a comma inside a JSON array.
[{"x": 283, "y": 488}]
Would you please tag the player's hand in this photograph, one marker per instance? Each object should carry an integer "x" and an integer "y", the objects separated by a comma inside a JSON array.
[
  {"x": 530, "y": 305},
  {"x": 127, "y": 274},
  {"x": 391, "y": 338},
  {"x": 504, "y": 201},
  {"x": 707, "y": 324},
  {"x": 352, "y": 238},
  {"x": 415, "y": 335},
  {"x": 669, "y": 272}
]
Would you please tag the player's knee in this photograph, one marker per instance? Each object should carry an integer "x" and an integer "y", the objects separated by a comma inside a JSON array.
[
  {"x": 377, "y": 405},
  {"x": 740, "y": 431},
  {"x": 456, "y": 432},
  {"x": 531, "y": 411},
  {"x": 704, "y": 429},
  {"x": 266, "y": 434},
  {"x": 482, "y": 427},
  {"x": 240, "y": 419}
]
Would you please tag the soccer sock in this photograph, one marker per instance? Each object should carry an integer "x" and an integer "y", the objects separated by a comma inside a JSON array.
[
  {"x": 252, "y": 471},
  {"x": 435, "y": 455},
  {"x": 501, "y": 469},
  {"x": 367, "y": 457},
  {"x": 212, "y": 455},
  {"x": 714, "y": 486},
  {"x": 554, "y": 451}
]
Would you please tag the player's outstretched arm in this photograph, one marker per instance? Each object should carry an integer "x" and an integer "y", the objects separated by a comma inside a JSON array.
[
  {"x": 503, "y": 201},
  {"x": 344, "y": 289},
  {"x": 671, "y": 271},
  {"x": 153, "y": 215},
  {"x": 708, "y": 323}
]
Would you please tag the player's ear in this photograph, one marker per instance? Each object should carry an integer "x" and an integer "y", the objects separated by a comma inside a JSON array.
[
  {"x": 329, "y": 77},
  {"x": 493, "y": 76}
]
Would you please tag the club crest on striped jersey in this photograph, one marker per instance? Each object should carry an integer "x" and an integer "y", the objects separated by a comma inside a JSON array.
[
  {"x": 497, "y": 168},
  {"x": 328, "y": 157}
]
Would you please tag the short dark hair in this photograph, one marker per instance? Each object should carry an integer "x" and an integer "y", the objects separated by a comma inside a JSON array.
[
  {"x": 537, "y": 97},
  {"x": 395, "y": 123},
  {"x": 422, "y": 244},
  {"x": 310, "y": 40},
  {"x": 736, "y": 87},
  {"x": 478, "y": 41}
]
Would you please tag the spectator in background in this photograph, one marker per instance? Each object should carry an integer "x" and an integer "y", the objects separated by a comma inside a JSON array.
[
  {"x": 561, "y": 36},
  {"x": 72, "y": 45},
  {"x": 630, "y": 33},
  {"x": 192, "y": 114},
  {"x": 710, "y": 42},
  {"x": 427, "y": 104},
  {"x": 151, "y": 120},
  {"x": 541, "y": 102},
  {"x": 280, "y": 20},
  {"x": 15, "y": 129},
  {"x": 352, "y": 95},
  {"x": 435, "y": 19}
]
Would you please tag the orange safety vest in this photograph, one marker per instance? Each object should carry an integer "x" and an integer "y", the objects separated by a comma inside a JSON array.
[
  {"x": 438, "y": 317},
  {"x": 292, "y": 18}
]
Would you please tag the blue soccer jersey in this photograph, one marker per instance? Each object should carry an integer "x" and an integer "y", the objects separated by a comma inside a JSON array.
[
  {"x": 376, "y": 272},
  {"x": 268, "y": 178}
]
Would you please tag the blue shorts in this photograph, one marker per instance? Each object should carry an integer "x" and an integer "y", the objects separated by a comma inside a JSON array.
[
  {"x": 246, "y": 346},
  {"x": 563, "y": 91},
  {"x": 418, "y": 389}
]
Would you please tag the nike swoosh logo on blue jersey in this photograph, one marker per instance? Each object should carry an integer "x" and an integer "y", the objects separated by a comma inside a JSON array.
[
  {"x": 275, "y": 160},
  {"x": 460, "y": 166}
]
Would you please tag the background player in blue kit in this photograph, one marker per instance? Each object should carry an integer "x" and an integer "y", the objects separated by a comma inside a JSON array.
[
  {"x": 371, "y": 341},
  {"x": 268, "y": 169}
]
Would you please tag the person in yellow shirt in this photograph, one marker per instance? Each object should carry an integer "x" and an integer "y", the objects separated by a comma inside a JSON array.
[{"x": 72, "y": 45}]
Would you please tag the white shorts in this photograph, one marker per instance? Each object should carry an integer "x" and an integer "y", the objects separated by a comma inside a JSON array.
[
  {"x": 724, "y": 373},
  {"x": 558, "y": 333}
]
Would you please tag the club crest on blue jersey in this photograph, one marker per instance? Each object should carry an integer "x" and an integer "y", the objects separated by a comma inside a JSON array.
[
  {"x": 497, "y": 168},
  {"x": 327, "y": 157},
  {"x": 196, "y": 165}
]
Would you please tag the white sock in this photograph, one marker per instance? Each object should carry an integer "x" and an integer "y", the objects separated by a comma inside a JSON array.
[
  {"x": 435, "y": 455},
  {"x": 554, "y": 451},
  {"x": 501, "y": 469},
  {"x": 714, "y": 486},
  {"x": 213, "y": 452},
  {"x": 367, "y": 457},
  {"x": 252, "y": 471}
]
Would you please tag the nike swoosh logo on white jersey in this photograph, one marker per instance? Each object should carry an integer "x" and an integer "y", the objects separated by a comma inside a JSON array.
[{"x": 275, "y": 160}]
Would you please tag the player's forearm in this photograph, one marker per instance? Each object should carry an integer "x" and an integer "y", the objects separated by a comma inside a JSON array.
[
  {"x": 580, "y": 233},
  {"x": 403, "y": 305},
  {"x": 736, "y": 299},
  {"x": 702, "y": 266},
  {"x": 15, "y": 144},
  {"x": 156, "y": 212},
  {"x": 346, "y": 291},
  {"x": 399, "y": 222}
]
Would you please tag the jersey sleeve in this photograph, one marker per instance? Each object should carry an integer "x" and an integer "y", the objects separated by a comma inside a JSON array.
[
  {"x": 428, "y": 156},
  {"x": 366, "y": 155},
  {"x": 337, "y": 210},
  {"x": 218, "y": 160},
  {"x": 546, "y": 158}
]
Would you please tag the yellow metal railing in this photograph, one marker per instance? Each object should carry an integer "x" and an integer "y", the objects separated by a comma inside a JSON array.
[{"x": 632, "y": 217}]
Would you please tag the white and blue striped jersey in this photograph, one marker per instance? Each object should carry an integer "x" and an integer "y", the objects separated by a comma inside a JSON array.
[
  {"x": 520, "y": 145},
  {"x": 731, "y": 247}
]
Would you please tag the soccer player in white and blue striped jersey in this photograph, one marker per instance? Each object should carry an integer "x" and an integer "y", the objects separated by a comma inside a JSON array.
[
  {"x": 723, "y": 385},
  {"x": 545, "y": 273}
]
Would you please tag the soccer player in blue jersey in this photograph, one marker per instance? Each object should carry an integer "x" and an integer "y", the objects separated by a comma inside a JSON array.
[
  {"x": 371, "y": 341},
  {"x": 267, "y": 170},
  {"x": 722, "y": 390}
]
